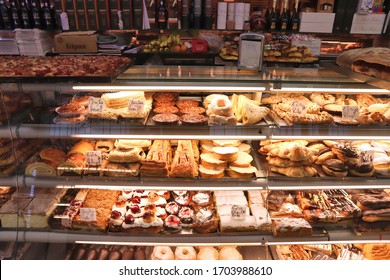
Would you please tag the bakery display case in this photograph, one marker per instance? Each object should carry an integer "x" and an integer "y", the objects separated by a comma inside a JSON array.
[{"x": 169, "y": 157}]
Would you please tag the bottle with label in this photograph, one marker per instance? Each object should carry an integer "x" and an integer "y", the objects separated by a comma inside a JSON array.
[
  {"x": 47, "y": 22},
  {"x": 294, "y": 19},
  {"x": 284, "y": 17},
  {"x": 273, "y": 19},
  {"x": 161, "y": 15},
  {"x": 5, "y": 16},
  {"x": 35, "y": 17},
  {"x": 24, "y": 15},
  {"x": 15, "y": 16}
]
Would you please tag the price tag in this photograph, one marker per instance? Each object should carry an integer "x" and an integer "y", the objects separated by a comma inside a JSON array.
[
  {"x": 238, "y": 211},
  {"x": 350, "y": 112},
  {"x": 88, "y": 214},
  {"x": 366, "y": 156},
  {"x": 136, "y": 105},
  {"x": 298, "y": 107},
  {"x": 95, "y": 105},
  {"x": 94, "y": 158}
]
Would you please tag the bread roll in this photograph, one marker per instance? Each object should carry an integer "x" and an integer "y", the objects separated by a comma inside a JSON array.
[
  {"x": 243, "y": 160},
  {"x": 211, "y": 173},
  {"x": 241, "y": 172},
  {"x": 209, "y": 161}
]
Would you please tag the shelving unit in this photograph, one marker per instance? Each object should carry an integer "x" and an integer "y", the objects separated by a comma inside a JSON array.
[{"x": 211, "y": 80}]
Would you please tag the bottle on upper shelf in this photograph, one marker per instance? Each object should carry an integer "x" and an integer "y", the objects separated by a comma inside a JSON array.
[
  {"x": 35, "y": 17},
  {"x": 24, "y": 14},
  {"x": 161, "y": 15},
  {"x": 47, "y": 16},
  {"x": 294, "y": 20},
  {"x": 273, "y": 18},
  {"x": 16, "y": 21},
  {"x": 284, "y": 18},
  {"x": 5, "y": 16}
]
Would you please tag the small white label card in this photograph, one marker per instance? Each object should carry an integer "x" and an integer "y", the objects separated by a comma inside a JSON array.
[
  {"x": 298, "y": 107},
  {"x": 136, "y": 105},
  {"x": 366, "y": 156},
  {"x": 88, "y": 214},
  {"x": 94, "y": 158},
  {"x": 238, "y": 211},
  {"x": 95, "y": 105},
  {"x": 350, "y": 112},
  {"x": 64, "y": 21}
]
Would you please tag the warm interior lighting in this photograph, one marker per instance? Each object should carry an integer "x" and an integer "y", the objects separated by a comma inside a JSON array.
[
  {"x": 333, "y": 187},
  {"x": 328, "y": 242},
  {"x": 194, "y": 243},
  {"x": 329, "y": 137},
  {"x": 170, "y": 137},
  {"x": 186, "y": 88},
  {"x": 137, "y": 185},
  {"x": 338, "y": 90}
]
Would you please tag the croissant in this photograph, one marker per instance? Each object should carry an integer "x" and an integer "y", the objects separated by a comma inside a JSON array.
[
  {"x": 295, "y": 171},
  {"x": 293, "y": 152}
]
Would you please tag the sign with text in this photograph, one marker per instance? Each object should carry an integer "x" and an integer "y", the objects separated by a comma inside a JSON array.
[
  {"x": 350, "y": 112},
  {"x": 298, "y": 107},
  {"x": 238, "y": 211},
  {"x": 88, "y": 214},
  {"x": 94, "y": 158},
  {"x": 95, "y": 105}
]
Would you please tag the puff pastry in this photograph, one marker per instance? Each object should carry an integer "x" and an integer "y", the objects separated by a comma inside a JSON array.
[{"x": 295, "y": 171}]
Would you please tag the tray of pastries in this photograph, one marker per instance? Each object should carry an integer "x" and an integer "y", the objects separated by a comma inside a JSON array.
[{"x": 62, "y": 68}]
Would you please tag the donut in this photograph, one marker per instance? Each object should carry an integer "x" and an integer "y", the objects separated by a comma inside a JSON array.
[
  {"x": 185, "y": 253},
  {"x": 162, "y": 253},
  {"x": 207, "y": 253},
  {"x": 221, "y": 106},
  {"x": 322, "y": 98},
  {"x": 229, "y": 253}
]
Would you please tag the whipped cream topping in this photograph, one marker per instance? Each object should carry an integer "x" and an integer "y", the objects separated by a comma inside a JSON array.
[
  {"x": 201, "y": 198},
  {"x": 139, "y": 222}
]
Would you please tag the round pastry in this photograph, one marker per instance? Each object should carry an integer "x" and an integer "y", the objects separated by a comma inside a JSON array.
[
  {"x": 165, "y": 96},
  {"x": 157, "y": 104},
  {"x": 185, "y": 103},
  {"x": 229, "y": 253},
  {"x": 334, "y": 108},
  {"x": 226, "y": 143},
  {"x": 162, "y": 253},
  {"x": 241, "y": 172},
  {"x": 344, "y": 121},
  {"x": 172, "y": 208},
  {"x": 243, "y": 160},
  {"x": 185, "y": 253},
  {"x": 226, "y": 153},
  {"x": 201, "y": 199},
  {"x": 244, "y": 147},
  {"x": 193, "y": 110},
  {"x": 193, "y": 119},
  {"x": 211, "y": 173},
  {"x": 150, "y": 207},
  {"x": 186, "y": 215},
  {"x": 166, "y": 119},
  {"x": 335, "y": 167},
  {"x": 220, "y": 105},
  {"x": 166, "y": 110},
  {"x": 207, "y": 253},
  {"x": 148, "y": 216},
  {"x": 70, "y": 109},
  {"x": 82, "y": 100},
  {"x": 139, "y": 254},
  {"x": 207, "y": 147},
  {"x": 210, "y": 161},
  {"x": 172, "y": 223},
  {"x": 153, "y": 196},
  {"x": 183, "y": 200}
]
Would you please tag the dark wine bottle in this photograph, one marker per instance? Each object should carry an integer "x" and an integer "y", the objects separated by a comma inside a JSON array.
[
  {"x": 47, "y": 22},
  {"x": 15, "y": 16},
  {"x": 35, "y": 17},
  {"x": 161, "y": 15},
  {"x": 24, "y": 15},
  {"x": 284, "y": 17},
  {"x": 5, "y": 16},
  {"x": 273, "y": 20},
  {"x": 294, "y": 19}
]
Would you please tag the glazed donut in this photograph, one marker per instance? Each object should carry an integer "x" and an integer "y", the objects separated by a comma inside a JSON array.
[
  {"x": 185, "y": 253},
  {"x": 221, "y": 106},
  {"x": 207, "y": 253},
  {"x": 162, "y": 253},
  {"x": 229, "y": 253},
  {"x": 322, "y": 98}
]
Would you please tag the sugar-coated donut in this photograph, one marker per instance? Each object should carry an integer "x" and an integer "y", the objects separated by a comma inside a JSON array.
[
  {"x": 221, "y": 106},
  {"x": 207, "y": 253},
  {"x": 229, "y": 253},
  {"x": 162, "y": 253},
  {"x": 185, "y": 253}
]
